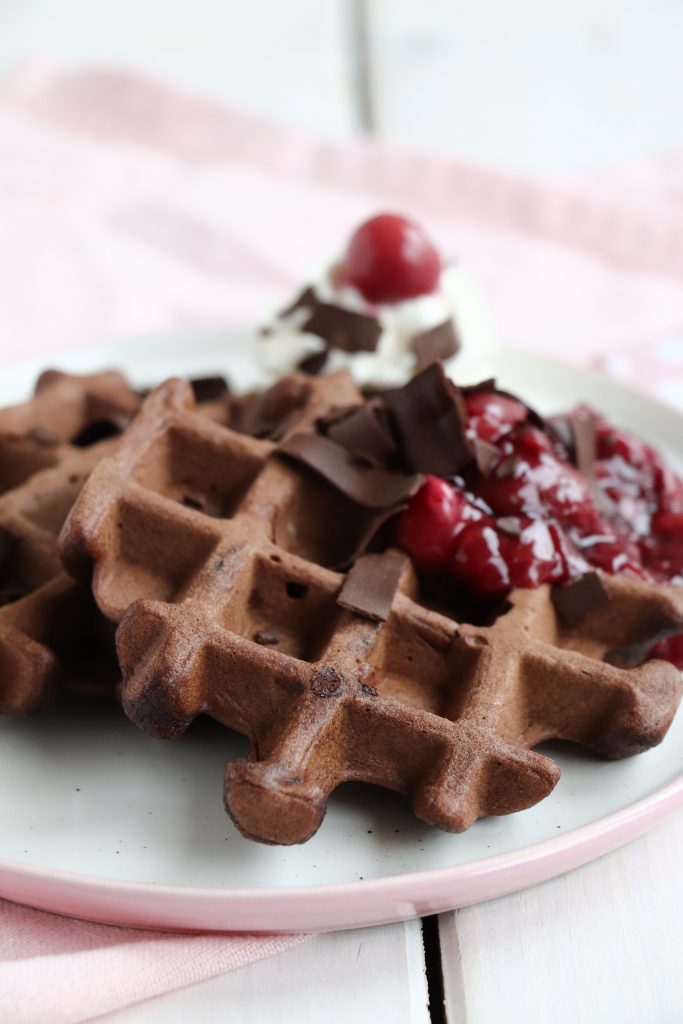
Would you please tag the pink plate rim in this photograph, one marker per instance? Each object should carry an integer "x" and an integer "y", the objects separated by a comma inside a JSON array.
[{"x": 330, "y": 907}]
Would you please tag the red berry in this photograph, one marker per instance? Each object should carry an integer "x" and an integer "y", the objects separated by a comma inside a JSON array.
[
  {"x": 534, "y": 558},
  {"x": 670, "y": 523},
  {"x": 390, "y": 258},
  {"x": 479, "y": 558},
  {"x": 491, "y": 415},
  {"x": 425, "y": 530}
]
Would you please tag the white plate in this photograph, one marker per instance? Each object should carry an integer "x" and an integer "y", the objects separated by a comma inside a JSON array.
[{"x": 100, "y": 821}]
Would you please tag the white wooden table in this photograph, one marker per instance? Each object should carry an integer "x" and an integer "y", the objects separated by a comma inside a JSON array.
[{"x": 548, "y": 88}]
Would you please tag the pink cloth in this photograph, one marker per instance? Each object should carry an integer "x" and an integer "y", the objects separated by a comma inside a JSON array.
[
  {"x": 54, "y": 970},
  {"x": 126, "y": 206}
]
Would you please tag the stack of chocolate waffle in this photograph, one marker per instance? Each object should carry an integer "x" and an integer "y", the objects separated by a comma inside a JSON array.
[{"x": 243, "y": 563}]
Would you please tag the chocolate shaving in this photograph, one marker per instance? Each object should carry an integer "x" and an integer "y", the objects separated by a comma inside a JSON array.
[
  {"x": 656, "y": 626},
  {"x": 485, "y": 454},
  {"x": 579, "y": 598},
  {"x": 440, "y": 342},
  {"x": 364, "y": 431},
  {"x": 366, "y": 485},
  {"x": 339, "y": 328},
  {"x": 578, "y": 433},
  {"x": 630, "y": 655},
  {"x": 343, "y": 328},
  {"x": 268, "y": 414},
  {"x": 371, "y": 584},
  {"x": 562, "y": 428},
  {"x": 209, "y": 389},
  {"x": 584, "y": 431},
  {"x": 367, "y": 534},
  {"x": 430, "y": 418}
]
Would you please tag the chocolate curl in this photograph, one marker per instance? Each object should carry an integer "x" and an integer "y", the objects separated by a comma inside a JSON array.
[
  {"x": 438, "y": 343},
  {"x": 368, "y": 486},
  {"x": 364, "y": 431},
  {"x": 370, "y": 586},
  {"x": 430, "y": 420},
  {"x": 576, "y": 600}
]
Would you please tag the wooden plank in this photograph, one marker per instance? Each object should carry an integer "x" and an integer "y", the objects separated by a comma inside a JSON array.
[
  {"x": 360, "y": 976},
  {"x": 532, "y": 85},
  {"x": 290, "y": 61},
  {"x": 600, "y": 944}
]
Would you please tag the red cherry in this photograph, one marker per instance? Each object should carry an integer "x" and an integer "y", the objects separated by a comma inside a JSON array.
[
  {"x": 390, "y": 258},
  {"x": 479, "y": 557},
  {"x": 425, "y": 530},
  {"x": 491, "y": 415}
]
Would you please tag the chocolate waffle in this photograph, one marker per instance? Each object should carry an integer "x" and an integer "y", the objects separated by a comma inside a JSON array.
[
  {"x": 51, "y": 633},
  {"x": 216, "y": 554}
]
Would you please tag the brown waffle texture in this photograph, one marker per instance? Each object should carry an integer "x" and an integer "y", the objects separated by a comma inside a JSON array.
[
  {"x": 215, "y": 555},
  {"x": 51, "y": 633}
]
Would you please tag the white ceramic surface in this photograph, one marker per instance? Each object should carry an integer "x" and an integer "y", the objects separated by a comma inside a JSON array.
[{"x": 103, "y": 822}]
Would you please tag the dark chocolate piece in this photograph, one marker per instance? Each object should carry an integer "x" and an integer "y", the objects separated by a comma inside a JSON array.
[
  {"x": 370, "y": 586},
  {"x": 440, "y": 342},
  {"x": 430, "y": 418},
  {"x": 629, "y": 656},
  {"x": 268, "y": 414},
  {"x": 584, "y": 432},
  {"x": 209, "y": 389},
  {"x": 342, "y": 328},
  {"x": 364, "y": 431},
  {"x": 367, "y": 533},
  {"x": 578, "y": 433},
  {"x": 576, "y": 600},
  {"x": 656, "y": 626},
  {"x": 485, "y": 455},
  {"x": 561, "y": 426},
  {"x": 366, "y": 485}
]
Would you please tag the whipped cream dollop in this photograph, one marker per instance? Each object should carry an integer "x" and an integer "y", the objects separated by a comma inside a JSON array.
[{"x": 284, "y": 343}]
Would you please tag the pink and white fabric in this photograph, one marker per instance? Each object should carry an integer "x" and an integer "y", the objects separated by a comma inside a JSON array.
[{"x": 126, "y": 207}]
